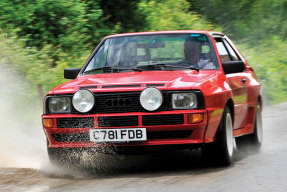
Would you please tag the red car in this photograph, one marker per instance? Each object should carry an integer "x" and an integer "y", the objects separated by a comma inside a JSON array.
[{"x": 157, "y": 90}]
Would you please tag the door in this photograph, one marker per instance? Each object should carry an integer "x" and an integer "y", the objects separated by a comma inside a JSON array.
[{"x": 237, "y": 81}]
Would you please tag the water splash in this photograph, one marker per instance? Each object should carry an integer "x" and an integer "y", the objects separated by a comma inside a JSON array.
[{"x": 22, "y": 140}]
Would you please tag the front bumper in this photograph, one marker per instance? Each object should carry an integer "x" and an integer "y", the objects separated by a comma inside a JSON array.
[{"x": 163, "y": 128}]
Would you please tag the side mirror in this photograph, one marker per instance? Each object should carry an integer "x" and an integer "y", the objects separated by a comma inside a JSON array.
[
  {"x": 71, "y": 73},
  {"x": 233, "y": 67}
]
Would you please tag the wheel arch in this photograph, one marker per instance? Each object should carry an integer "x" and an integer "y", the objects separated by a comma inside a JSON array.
[
  {"x": 230, "y": 105},
  {"x": 213, "y": 129},
  {"x": 259, "y": 99}
]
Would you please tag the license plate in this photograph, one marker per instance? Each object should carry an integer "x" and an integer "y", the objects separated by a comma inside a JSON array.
[{"x": 118, "y": 135}]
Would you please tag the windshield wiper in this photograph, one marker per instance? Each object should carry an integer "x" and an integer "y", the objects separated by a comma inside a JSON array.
[
  {"x": 125, "y": 68},
  {"x": 159, "y": 65},
  {"x": 110, "y": 69},
  {"x": 98, "y": 69}
]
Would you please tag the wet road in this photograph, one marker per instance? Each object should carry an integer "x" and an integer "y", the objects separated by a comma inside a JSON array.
[{"x": 265, "y": 170}]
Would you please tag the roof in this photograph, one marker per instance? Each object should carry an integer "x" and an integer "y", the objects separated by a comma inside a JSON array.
[{"x": 164, "y": 32}]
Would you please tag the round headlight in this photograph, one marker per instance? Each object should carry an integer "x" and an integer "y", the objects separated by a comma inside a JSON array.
[
  {"x": 83, "y": 101},
  {"x": 151, "y": 99}
]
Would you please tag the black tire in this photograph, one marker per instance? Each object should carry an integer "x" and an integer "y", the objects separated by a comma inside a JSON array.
[
  {"x": 253, "y": 141},
  {"x": 221, "y": 151}
]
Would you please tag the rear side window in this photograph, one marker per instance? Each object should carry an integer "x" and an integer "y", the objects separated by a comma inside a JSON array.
[
  {"x": 222, "y": 51},
  {"x": 225, "y": 51},
  {"x": 232, "y": 53}
]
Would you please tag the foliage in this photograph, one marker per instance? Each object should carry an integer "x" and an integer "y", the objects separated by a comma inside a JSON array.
[
  {"x": 55, "y": 22},
  {"x": 260, "y": 29},
  {"x": 122, "y": 15},
  {"x": 171, "y": 15},
  {"x": 255, "y": 19},
  {"x": 270, "y": 66},
  {"x": 34, "y": 65},
  {"x": 40, "y": 38}
]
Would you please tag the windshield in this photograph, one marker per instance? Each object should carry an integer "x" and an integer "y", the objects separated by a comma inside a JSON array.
[{"x": 145, "y": 51}]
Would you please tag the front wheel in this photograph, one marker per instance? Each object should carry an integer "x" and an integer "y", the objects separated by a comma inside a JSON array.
[
  {"x": 221, "y": 151},
  {"x": 254, "y": 140}
]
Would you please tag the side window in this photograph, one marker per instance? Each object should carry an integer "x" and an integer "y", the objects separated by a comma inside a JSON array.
[
  {"x": 231, "y": 51},
  {"x": 99, "y": 58},
  {"x": 223, "y": 53}
]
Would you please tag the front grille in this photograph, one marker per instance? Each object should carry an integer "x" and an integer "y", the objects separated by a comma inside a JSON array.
[
  {"x": 169, "y": 134},
  {"x": 79, "y": 122},
  {"x": 118, "y": 121},
  {"x": 123, "y": 102},
  {"x": 83, "y": 137},
  {"x": 174, "y": 119}
]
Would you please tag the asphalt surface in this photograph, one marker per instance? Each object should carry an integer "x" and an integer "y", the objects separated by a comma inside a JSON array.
[{"x": 265, "y": 170}]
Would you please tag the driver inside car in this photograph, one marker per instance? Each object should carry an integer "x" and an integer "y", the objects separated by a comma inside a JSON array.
[
  {"x": 128, "y": 54},
  {"x": 193, "y": 53}
]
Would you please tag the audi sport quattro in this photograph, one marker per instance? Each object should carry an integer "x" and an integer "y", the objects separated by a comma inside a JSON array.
[{"x": 170, "y": 89}]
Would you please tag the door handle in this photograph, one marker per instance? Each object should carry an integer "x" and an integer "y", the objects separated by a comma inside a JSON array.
[{"x": 244, "y": 80}]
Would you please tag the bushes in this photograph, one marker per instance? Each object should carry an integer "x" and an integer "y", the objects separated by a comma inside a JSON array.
[
  {"x": 66, "y": 24},
  {"x": 55, "y": 34},
  {"x": 270, "y": 64},
  {"x": 171, "y": 15},
  {"x": 33, "y": 64}
]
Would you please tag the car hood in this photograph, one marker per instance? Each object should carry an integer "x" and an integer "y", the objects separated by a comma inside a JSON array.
[{"x": 134, "y": 81}]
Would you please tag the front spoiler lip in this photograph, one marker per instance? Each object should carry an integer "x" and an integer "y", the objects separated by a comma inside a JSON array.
[{"x": 149, "y": 143}]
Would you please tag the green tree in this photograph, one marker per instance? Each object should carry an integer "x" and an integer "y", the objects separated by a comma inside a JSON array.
[
  {"x": 68, "y": 24},
  {"x": 254, "y": 19},
  {"x": 122, "y": 15},
  {"x": 171, "y": 15}
]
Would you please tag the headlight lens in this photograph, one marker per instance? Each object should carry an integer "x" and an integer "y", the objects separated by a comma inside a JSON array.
[
  {"x": 184, "y": 101},
  {"x": 151, "y": 99},
  {"x": 59, "y": 105},
  {"x": 83, "y": 101}
]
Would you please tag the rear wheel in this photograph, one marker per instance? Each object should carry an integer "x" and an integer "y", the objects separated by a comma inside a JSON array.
[
  {"x": 221, "y": 151},
  {"x": 256, "y": 137}
]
